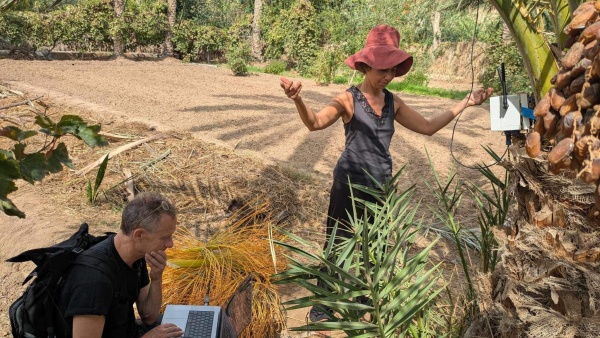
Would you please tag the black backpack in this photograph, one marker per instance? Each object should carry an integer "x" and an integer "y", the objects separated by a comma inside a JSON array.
[{"x": 35, "y": 314}]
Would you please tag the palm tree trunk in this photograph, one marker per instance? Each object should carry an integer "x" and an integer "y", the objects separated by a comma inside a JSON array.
[
  {"x": 171, "y": 18},
  {"x": 118, "y": 43},
  {"x": 255, "y": 42}
]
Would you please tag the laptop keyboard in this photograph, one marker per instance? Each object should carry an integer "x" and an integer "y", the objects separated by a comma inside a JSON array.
[{"x": 199, "y": 324}]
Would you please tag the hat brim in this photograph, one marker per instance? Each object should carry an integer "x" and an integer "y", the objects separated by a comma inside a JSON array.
[{"x": 382, "y": 57}]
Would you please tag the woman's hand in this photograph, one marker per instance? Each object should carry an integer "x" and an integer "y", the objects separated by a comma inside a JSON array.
[
  {"x": 478, "y": 97},
  {"x": 291, "y": 89}
]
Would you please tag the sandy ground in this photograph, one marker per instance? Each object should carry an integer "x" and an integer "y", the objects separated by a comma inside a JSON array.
[{"x": 246, "y": 113}]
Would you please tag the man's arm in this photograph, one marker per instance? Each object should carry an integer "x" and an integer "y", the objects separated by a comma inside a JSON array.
[
  {"x": 149, "y": 301},
  {"x": 88, "y": 326},
  {"x": 150, "y": 297}
]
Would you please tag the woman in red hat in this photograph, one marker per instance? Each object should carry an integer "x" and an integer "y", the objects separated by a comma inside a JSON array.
[{"x": 369, "y": 111}]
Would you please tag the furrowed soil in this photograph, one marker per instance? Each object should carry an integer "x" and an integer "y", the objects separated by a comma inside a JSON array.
[{"x": 207, "y": 108}]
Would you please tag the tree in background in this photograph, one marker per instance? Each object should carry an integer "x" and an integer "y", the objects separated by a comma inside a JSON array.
[
  {"x": 119, "y": 44},
  {"x": 171, "y": 19},
  {"x": 255, "y": 39}
]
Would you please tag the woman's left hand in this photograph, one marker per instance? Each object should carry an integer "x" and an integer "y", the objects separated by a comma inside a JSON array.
[{"x": 477, "y": 97}]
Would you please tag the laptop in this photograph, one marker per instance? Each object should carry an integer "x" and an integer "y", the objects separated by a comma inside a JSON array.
[{"x": 196, "y": 321}]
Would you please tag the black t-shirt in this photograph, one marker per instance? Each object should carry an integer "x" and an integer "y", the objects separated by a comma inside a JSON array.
[{"x": 90, "y": 291}]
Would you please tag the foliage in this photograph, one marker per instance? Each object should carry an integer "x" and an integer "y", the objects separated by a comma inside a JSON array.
[
  {"x": 507, "y": 53},
  {"x": 275, "y": 67},
  {"x": 142, "y": 24},
  {"x": 421, "y": 90},
  {"x": 457, "y": 26},
  {"x": 376, "y": 282},
  {"x": 238, "y": 57},
  {"x": 327, "y": 61},
  {"x": 16, "y": 163},
  {"x": 82, "y": 27},
  {"x": 416, "y": 78},
  {"x": 295, "y": 32},
  {"x": 449, "y": 196},
  {"x": 92, "y": 192},
  {"x": 15, "y": 26},
  {"x": 197, "y": 42},
  {"x": 492, "y": 212},
  {"x": 216, "y": 13},
  {"x": 240, "y": 30},
  {"x": 89, "y": 25}
]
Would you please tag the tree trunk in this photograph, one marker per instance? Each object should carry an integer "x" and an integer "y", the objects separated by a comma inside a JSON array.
[
  {"x": 255, "y": 42},
  {"x": 171, "y": 18},
  {"x": 437, "y": 34},
  {"x": 118, "y": 43}
]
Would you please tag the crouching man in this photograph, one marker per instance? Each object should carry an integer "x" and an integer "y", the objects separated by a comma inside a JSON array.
[{"x": 106, "y": 280}]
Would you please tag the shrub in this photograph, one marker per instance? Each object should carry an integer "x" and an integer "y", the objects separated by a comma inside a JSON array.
[
  {"x": 238, "y": 57},
  {"x": 416, "y": 78},
  {"x": 275, "y": 67},
  {"x": 197, "y": 42},
  {"x": 327, "y": 63},
  {"x": 143, "y": 24}
]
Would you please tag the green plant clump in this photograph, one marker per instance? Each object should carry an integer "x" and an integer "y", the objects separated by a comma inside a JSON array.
[
  {"x": 275, "y": 67},
  {"x": 377, "y": 282},
  {"x": 238, "y": 57},
  {"x": 416, "y": 78}
]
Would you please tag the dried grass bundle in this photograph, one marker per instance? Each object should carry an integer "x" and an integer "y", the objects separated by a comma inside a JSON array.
[{"x": 221, "y": 264}]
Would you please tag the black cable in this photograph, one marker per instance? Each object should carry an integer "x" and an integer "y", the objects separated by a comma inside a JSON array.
[{"x": 468, "y": 98}]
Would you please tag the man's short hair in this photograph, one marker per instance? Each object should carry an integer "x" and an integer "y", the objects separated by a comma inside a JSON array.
[{"x": 145, "y": 211}]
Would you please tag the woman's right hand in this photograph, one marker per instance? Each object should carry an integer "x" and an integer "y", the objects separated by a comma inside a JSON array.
[{"x": 291, "y": 89}]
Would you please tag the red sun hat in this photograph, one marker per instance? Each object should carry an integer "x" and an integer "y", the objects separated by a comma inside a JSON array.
[{"x": 381, "y": 51}]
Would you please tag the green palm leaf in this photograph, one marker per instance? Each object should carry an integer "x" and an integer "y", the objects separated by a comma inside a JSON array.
[{"x": 376, "y": 265}]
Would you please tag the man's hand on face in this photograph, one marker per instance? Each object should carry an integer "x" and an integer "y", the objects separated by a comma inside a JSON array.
[{"x": 157, "y": 260}]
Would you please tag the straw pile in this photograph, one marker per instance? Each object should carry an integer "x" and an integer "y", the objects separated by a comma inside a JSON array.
[{"x": 218, "y": 266}]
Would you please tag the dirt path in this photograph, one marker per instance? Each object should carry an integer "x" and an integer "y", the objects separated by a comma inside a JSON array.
[{"x": 243, "y": 112}]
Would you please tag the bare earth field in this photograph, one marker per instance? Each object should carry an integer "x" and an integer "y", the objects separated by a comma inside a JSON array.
[{"x": 248, "y": 115}]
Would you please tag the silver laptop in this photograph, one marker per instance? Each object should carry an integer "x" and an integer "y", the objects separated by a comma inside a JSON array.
[{"x": 196, "y": 321}]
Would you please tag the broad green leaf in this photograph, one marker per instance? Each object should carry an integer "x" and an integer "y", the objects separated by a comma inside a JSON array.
[
  {"x": 9, "y": 208},
  {"x": 6, "y": 187},
  {"x": 59, "y": 156},
  {"x": 10, "y": 132},
  {"x": 74, "y": 125},
  {"x": 9, "y": 169},
  {"x": 48, "y": 126},
  {"x": 33, "y": 167},
  {"x": 26, "y": 134}
]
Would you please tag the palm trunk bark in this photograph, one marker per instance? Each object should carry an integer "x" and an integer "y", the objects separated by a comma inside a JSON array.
[
  {"x": 171, "y": 19},
  {"x": 255, "y": 42},
  {"x": 118, "y": 43}
]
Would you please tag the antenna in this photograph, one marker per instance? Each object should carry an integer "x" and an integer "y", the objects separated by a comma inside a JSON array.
[{"x": 502, "y": 76}]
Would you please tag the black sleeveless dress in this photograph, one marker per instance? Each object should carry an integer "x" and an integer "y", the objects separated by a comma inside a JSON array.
[{"x": 368, "y": 138}]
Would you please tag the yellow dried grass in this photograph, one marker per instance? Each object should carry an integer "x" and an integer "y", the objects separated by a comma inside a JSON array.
[{"x": 221, "y": 264}]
